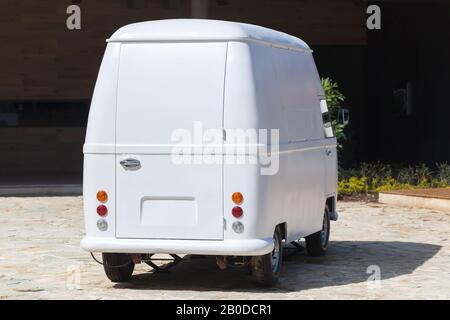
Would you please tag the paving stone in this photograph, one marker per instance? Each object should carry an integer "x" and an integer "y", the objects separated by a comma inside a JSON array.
[{"x": 40, "y": 258}]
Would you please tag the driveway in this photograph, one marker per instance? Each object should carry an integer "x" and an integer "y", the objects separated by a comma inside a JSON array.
[{"x": 376, "y": 252}]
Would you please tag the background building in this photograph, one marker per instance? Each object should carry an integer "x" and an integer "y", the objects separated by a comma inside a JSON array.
[{"x": 395, "y": 79}]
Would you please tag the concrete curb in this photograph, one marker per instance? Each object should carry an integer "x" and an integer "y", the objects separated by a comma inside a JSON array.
[
  {"x": 41, "y": 190},
  {"x": 413, "y": 201}
]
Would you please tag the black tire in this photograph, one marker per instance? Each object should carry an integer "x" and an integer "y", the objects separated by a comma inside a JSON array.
[
  {"x": 317, "y": 243},
  {"x": 263, "y": 272},
  {"x": 118, "y": 266}
]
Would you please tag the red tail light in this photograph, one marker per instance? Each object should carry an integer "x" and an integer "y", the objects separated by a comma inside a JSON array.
[
  {"x": 102, "y": 210},
  {"x": 237, "y": 212}
]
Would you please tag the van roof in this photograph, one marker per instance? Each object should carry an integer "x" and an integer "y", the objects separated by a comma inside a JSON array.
[{"x": 204, "y": 30}]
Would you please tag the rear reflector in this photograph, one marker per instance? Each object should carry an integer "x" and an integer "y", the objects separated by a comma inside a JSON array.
[
  {"x": 102, "y": 225},
  {"x": 238, "y": 227}
]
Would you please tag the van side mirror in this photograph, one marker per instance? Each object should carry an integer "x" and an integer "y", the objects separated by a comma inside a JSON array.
[{"x": 343, "y": 116}]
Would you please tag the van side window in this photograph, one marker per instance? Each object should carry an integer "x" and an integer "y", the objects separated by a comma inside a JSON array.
[
  {"x": 326, "y": 119},
  {"x": 328, "y": 130}
]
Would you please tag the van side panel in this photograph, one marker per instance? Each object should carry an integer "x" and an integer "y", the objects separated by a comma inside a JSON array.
[
  {"x": 273, "y": 88},
  {"x": 99, "y": 174},
  {"x": 331, "y": 159},
  {"x": 101, "y": 127},
  {"x": 315, "y": 77},
  {"x": 99, "y": 157},
  {"x": 240, "y": 112}
]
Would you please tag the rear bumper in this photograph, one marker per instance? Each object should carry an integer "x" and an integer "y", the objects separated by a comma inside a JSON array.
[{"x": 241, "y": 247}]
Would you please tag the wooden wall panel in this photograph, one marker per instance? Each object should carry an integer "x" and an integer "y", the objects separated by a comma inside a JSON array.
[
  {"x": 318, "y": 22},
  {"x": 41, "y": 154},
  {"x": 41, "y": 60}
]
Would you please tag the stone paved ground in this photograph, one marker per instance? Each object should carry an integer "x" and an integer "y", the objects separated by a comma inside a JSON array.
[{"x": 40, "y": 258}]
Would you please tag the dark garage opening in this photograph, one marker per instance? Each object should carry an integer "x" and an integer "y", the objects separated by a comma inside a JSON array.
[{"x": 41, "y": 142}]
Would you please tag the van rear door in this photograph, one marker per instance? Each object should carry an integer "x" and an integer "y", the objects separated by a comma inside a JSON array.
[{"x": 163, "y": 87}]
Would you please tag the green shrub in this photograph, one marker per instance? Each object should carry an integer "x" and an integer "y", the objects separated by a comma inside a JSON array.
[
  {"x": 436, "y": 183},
  {"x": 443, "y": 173},
  {"x": 352, "y": 186},
  {"x": 377, "y": 177},
  {"x": 334, "y": 99}
]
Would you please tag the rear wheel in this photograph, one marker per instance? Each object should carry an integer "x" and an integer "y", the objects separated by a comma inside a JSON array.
[
  {"x": 317, "y": 243},
  {"x": 266, "y": 269},
  {"x": 118, "y": 266}
]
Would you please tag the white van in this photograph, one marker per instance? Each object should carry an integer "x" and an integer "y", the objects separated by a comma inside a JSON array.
[{"x": 161, "y": 81}]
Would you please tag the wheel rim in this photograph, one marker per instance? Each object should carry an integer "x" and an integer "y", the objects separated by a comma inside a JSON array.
[
  {"x": 324, "y": 234},
  {"x": 276, "y": 254}
]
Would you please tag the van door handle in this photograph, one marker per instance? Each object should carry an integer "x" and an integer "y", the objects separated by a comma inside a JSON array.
[
  {"x": 130, "y": 164},
  {"x": 328, "y": 152}
]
